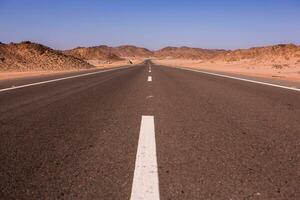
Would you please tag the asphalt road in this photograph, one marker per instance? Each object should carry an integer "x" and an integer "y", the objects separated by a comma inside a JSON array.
[{"x": 216, "y": 138}]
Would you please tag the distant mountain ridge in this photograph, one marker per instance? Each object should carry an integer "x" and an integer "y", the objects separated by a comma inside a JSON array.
[
  {"x": 133, "y": 51},
  {"x": 185, "y": 52},
  {"x": 103, "y": 52},
  {"x": 32, "y": 56},
  {"x": 93, "y": 53}
]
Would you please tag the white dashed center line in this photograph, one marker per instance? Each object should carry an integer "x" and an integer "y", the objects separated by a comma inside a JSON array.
[
  {"x": 145, "y": 179},
  {"x": 149, "y": 78},
  {"x": 148, "y": 97}
]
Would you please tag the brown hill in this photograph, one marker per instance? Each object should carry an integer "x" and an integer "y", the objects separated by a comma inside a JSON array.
[
  {"x": 107, "y": 53},
  {"x": 26, "y": 56},
  {"x": 187, "y": 53},
  {"x": 132, "y": 51},
  {"x": 94, "y": 53},
  {"x": 267, "y": 54}
]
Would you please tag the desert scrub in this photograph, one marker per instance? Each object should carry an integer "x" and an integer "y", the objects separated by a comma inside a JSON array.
[
  {"x": 276, "y": 66},
  {"x": 231, "y": 59}
]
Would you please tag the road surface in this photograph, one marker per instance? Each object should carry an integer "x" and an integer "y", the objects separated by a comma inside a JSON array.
[{"x": 148, "y": 132}]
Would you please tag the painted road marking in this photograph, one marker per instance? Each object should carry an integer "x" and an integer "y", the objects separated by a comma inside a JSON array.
[
  {"x": 242, "y": 79},
  {"x": 59, "y": 79},
  {"x": 148, "y": 97},
  {"x": 149, "y": 78},
  {"x": 145, "y": 179}
]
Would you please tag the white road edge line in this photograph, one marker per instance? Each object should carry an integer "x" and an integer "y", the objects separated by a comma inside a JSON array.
[
  {"x": 149, "y": 78},
  {"x": 241, "y": 79},
  {"x": 59, "y": 79},
  {"x": 145, "y": 179}
]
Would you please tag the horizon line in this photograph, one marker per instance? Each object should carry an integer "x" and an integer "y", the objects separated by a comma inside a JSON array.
[{"x": 150, "y": 49}]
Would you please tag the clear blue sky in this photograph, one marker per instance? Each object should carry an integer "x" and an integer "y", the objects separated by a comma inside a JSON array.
[{"x": 228, "y": 24}]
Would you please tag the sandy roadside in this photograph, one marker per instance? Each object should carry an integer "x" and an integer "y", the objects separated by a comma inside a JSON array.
[
  {"x": 104, "y": 64},
  {"x": 290, "y": 73},
  {"x": 17, "y": 75}
]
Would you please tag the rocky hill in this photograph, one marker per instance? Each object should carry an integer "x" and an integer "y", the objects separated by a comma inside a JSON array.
[
  {"x": 26, "y": 56},
  {"x": 266, "y": 54}
]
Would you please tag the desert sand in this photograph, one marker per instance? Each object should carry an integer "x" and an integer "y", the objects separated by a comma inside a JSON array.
[
  {"x": 98, "y": 65},
  {"x": 109, "y": 64},
  {"x": 289, "y": 71}
]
